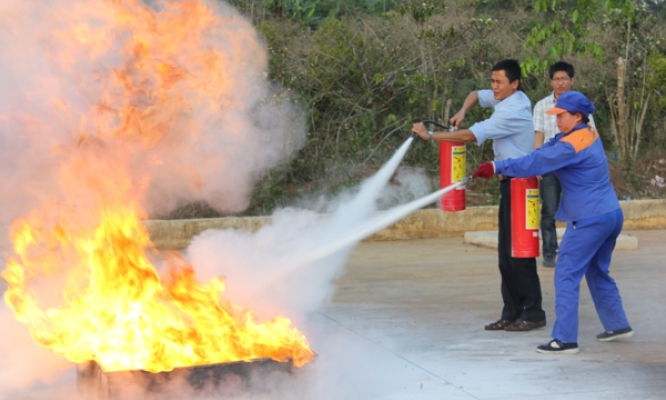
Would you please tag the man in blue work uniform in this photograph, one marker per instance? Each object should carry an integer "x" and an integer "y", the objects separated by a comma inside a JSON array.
[
  {"x": 594, "y": 219},
  {"x": 512, "y": 131}
]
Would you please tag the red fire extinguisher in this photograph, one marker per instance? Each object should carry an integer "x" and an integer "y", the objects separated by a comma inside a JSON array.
[
  {"x": 452, "y": 169},
  {"x": 525, "y": 217}
]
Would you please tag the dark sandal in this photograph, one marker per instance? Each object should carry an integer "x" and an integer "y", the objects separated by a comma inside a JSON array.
[
  {"x": 524, "y": 326},
  {"x": 498, "y": 325}
]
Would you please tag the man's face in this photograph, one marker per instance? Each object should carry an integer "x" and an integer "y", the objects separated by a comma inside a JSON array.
[
  {"x": 566, "y": 121},
  {"x": 561, "y": 82},
  {"x": 501, "y": 86}
]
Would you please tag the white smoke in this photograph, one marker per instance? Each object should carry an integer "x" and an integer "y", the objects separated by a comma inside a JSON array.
[
  {"x": 23, "y": 363},
  {"x": 287, "y": 267},
  {"x": 273, "y": 271},
  {"x": 105, "y": 98},
  {"x": 408, "y": 184},
  {"x": 405, "y": 185},
  {"x": 67, "y": 67},
  {"x": 68, "y": 123}
]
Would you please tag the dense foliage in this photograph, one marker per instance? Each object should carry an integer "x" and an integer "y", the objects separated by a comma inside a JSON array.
[{"x": 364, "y": 69}]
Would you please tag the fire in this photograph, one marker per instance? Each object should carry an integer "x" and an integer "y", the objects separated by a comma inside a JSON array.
[
  {"x": 112, "y": 305},
  {"x": 116, "y": 310}
]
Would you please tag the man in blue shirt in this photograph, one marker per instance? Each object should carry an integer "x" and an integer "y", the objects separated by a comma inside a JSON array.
[
  {"x": 512, "y": 130},
  {"x": 594, "y": 219}
]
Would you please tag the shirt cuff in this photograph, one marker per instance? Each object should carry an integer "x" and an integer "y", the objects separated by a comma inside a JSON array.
[
  {"x": 500, "y": 166},
  {"x": 479, "y": 132}
]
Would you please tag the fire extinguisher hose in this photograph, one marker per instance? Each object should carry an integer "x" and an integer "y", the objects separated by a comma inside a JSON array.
[
  {"x": 383, "y": 220},
  {"x": 448, "y": 128}
]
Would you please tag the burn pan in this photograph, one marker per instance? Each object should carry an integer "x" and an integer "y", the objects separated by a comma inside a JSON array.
[{"x": 203, "y": 381}]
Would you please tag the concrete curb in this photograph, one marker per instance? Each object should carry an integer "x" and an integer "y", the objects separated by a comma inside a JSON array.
[
  {"x": 489, "y": 239},
  {"x": 177, "y": 234},
  {"x": 423, "y": 224}
]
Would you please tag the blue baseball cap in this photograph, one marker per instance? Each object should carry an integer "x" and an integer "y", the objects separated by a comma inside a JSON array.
[{"x": 573, "y": 102}]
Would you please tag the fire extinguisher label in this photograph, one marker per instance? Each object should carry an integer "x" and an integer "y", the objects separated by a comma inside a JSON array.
[
  {"x": 532, "y": 219},
  {"x": 458, "y": 163}
]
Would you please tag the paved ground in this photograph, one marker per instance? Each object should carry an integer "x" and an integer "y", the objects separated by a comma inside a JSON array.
[
  {"x": 407, "y": 322},
  {"x": 421, "y": 306}
]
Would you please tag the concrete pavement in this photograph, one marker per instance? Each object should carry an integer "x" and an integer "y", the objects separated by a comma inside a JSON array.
[
  {"x": 422, "y": 305},
  {"x": 406, "y": 322}
]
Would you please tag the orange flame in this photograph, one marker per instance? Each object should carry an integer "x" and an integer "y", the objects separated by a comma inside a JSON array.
[
  {"x": 116, "y": 310},
  {"x": 113, "y": 307}
]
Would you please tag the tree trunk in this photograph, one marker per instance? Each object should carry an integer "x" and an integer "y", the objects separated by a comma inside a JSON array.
[{"x": 622, "y": 132}]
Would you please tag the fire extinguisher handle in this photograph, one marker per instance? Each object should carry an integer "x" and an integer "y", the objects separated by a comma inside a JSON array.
[
  {"x": 429, "y": 121},
  {"x": 447, "y": 127}
]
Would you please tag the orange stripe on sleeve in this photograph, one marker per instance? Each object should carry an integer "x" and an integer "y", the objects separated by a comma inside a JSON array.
[{"x": 581, "y": 139}]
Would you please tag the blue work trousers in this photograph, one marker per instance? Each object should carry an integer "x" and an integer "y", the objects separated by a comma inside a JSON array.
[
  {"x": 550, "y": 190},
  {"x": 586, "y": 249}
]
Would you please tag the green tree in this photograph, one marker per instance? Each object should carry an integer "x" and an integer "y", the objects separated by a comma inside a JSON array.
[{"x": 564, "y": 29}]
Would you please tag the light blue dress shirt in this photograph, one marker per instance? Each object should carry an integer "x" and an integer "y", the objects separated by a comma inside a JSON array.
[{"x": 510, "y": 127}]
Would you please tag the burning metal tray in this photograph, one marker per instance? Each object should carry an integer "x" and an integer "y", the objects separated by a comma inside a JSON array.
[{"x": 227, "y": 379}]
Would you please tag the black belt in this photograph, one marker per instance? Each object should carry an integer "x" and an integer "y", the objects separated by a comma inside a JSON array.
[{"x": 504, "y": 177}]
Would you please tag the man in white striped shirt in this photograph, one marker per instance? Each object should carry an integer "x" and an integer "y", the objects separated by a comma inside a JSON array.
[{"x": 545, "y": 127}]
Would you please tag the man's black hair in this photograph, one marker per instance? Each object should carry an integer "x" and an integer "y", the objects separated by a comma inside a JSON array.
[
  {"x": 562, "y": 66},
  {"x": 512, "y": 70}
]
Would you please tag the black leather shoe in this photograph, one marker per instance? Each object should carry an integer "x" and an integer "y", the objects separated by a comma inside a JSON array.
[{"x": 524, "y": 326}]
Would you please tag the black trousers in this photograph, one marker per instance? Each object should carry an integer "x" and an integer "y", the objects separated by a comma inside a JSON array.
[
  {"x": 550, "y": 190},
  {"x": 521, "y": 289}
]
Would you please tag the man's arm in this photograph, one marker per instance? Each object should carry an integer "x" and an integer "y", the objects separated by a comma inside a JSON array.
[
  {"x": 539, "y": 124},
  {"x": 538, "y": 139},
  {"x": 463, "y": 135},
  {"x": 471, "y": 100}
]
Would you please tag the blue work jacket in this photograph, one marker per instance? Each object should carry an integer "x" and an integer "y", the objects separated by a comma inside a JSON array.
[{"x": 579, "y": 162}]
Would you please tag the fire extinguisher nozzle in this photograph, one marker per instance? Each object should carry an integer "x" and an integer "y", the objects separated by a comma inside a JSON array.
[{"x": 414, "y": 135}]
